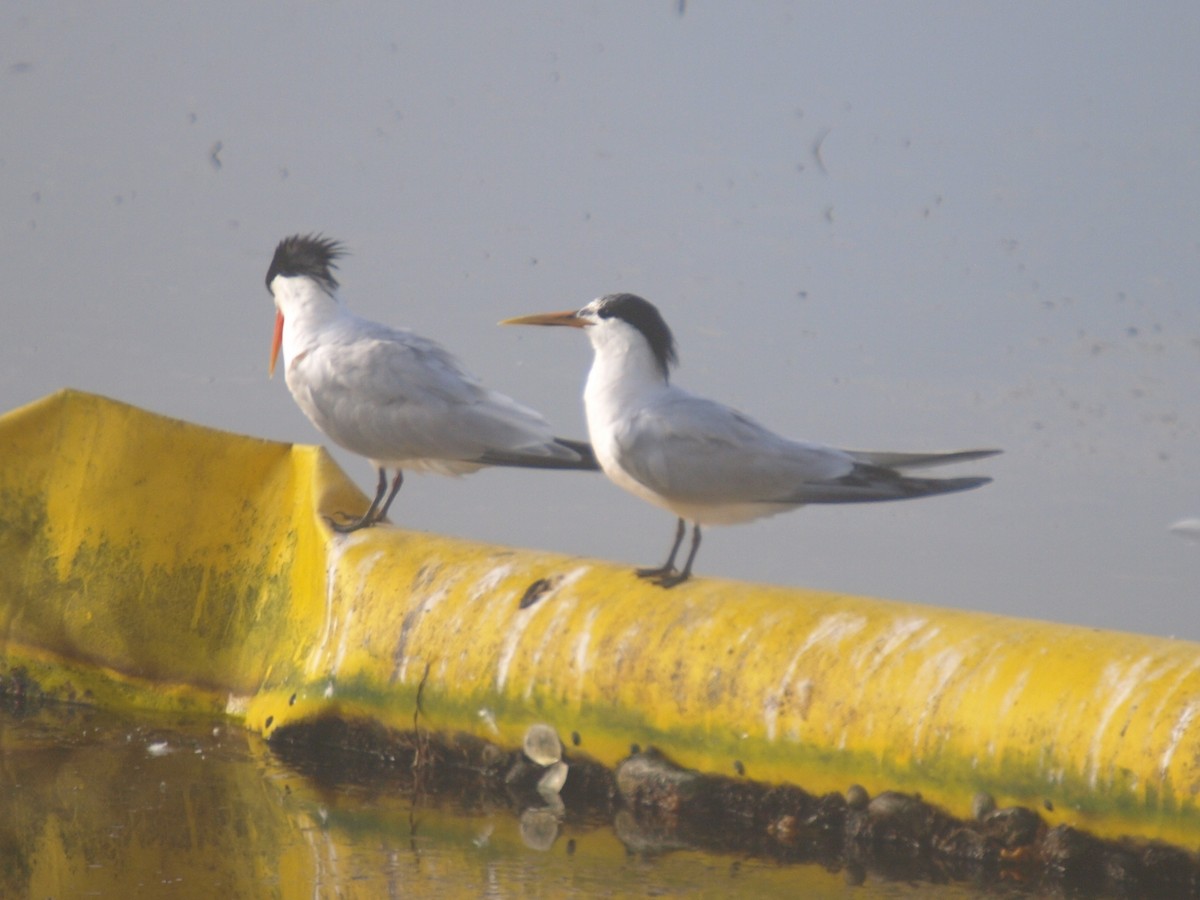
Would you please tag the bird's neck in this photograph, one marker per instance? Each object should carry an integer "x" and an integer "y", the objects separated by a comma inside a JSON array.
[
  {"x": 308, "y": 311},
  {"x": 623, "y": 377}
]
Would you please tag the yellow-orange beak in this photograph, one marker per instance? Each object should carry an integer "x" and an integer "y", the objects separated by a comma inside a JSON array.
[
  {"x": 570, "y": 318},
  {"x": 276, "y": 342}
]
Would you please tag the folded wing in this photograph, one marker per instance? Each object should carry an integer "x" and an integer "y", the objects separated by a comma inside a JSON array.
[
  {"x": 392, "y": 395},
  {"x": 693, "y": 450}
]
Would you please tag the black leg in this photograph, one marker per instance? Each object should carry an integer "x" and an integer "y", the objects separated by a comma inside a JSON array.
[
  {"x": 670, "y": 580},
  {"x": 667, "y": 568},
  {"x": 396, "y": 482},
  {"x": 368, "y": 518}
]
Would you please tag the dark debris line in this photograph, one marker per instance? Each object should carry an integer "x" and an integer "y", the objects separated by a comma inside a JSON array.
[{"x": 655, "y": 807}]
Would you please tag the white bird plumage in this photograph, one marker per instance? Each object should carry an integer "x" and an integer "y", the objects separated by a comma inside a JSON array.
[
  {"x": 705, "y": 462},
  {"x": 397, "y": 398},
  {"x": 1188, "y": 529}
]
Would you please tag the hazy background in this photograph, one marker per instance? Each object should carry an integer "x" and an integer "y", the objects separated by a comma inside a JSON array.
[{"x": 882, "y": 226}]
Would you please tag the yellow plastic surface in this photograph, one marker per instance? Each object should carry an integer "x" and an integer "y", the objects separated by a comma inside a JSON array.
[{"x": 147, "y": 562}]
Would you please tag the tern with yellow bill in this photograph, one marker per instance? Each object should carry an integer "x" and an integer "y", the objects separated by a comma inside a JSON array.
[{"x": 705, "y": 462}]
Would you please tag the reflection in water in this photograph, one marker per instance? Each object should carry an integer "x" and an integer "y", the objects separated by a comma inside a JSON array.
[{"x": 94, "y": 805}]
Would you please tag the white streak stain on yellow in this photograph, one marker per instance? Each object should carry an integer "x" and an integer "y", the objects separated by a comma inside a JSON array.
[
  {"x": 337, "y": 549},
  {"x": 1118, "y": 682},
  {"x": 831, "y": 629},
  {"x": 1181, "y": 726},
  {"x": 940, "y": 669}
]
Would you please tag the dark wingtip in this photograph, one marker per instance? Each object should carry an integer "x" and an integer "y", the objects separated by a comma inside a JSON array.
[
  {"x": 966, "y": 484},
  {"x": 930, "y": 487},
  {"x": 587, "y": 456}
]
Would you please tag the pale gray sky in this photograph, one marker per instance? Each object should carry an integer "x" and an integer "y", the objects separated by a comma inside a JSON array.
[{"x": 998, "y": 245}]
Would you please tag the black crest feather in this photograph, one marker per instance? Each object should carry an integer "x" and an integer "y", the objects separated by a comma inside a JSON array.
[
  {"x": 645, "y": 317},
  {"x": 313, "y": 255}
]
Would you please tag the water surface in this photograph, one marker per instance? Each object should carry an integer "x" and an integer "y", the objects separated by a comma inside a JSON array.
[{"x": 100, "y": 806}]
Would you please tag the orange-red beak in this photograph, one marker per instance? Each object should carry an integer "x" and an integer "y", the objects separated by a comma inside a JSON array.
[
  {"x": 570, "y": 318},
  {"x": 276, "y": 342}
]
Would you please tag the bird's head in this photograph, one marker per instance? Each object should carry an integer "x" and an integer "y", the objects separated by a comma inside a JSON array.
[
  {"x": 311, "y": 256},
  {"x": 616, "y": 319}
]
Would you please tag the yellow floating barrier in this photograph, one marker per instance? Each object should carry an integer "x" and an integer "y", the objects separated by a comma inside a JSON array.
[{"x": 150, "y": 563}]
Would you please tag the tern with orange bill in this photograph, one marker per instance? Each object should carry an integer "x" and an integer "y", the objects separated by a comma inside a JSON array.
[
  {"x": 397, "y": 398},
  {"x": 705, "y": 462}
]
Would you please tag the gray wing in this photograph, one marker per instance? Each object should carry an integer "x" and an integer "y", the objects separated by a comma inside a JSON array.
[
  {"x": 690, "y": 449},
  {"x": 391, "y": 394},
  {"x": 695, "y": 450}
]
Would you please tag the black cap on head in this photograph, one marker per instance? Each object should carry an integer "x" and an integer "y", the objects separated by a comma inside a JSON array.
[
  {"x": 307, "y": 254},
  {"x": 645, "y": 317}
]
